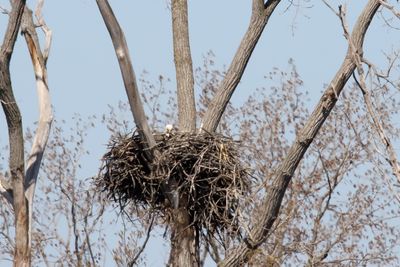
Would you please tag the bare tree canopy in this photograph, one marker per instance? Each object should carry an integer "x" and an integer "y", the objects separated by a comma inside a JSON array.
[{"x": 283, "y": 175}]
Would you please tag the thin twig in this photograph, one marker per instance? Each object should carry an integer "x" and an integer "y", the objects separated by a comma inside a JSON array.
[{"x": 133, "y": 261}]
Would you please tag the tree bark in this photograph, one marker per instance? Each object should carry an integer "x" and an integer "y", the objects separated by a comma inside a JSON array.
[
  {"x": 128, "y": 75},
  {"x": 183, "y": 66},
  {"x": 15, "y": 133},
  {"x": 285, "y": 171},
  {"x": 184, "y": 245},
  {"x": 45, "y": 111},
  {"x": 184, "y": 249},
  {"x": 259, "y": 18}
]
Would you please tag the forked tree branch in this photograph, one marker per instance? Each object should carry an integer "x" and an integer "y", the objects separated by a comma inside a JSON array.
[
  {"x": 47, "y": 31},
  {"x": 183, "y": 66},
  {"x": 128, "y": 75},
  {"x": 259, "y": 18},
  {"x": 284, "y": 173}
]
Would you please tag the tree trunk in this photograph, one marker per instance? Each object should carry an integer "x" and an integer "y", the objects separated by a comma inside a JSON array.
[
  {"x": 184, "y": 245},
  {"x": 184, "y": 248},
  {"x": 183, "y": 66},
  {"x": 14, "y": 123}
]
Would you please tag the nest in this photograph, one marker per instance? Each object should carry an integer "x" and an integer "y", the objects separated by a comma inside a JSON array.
[{"x": 200, "y": 172}]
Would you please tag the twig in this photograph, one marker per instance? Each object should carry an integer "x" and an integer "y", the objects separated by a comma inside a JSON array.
[
  {"x": 4, "y": 11},
  {"x": 391, "y": 8},
  {"x": 6, "y": 190},
  {"x": 133, "y": 261}
]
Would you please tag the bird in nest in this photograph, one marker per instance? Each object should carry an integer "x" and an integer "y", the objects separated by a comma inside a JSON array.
[{"x": 169, "y": 130}]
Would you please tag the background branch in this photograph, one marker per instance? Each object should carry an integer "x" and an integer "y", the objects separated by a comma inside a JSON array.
[
  {"x": 357, "y": 54},
  {"x": 285, "y": 171}
]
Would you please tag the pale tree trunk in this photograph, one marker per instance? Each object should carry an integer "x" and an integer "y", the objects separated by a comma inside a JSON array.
[
  {"x": 261, "y": 12},
  {"x": 184, "y": 245},
  {"x": 39, "y": 60},
  {"x": 23, "y": 185},
  {"x": 274, "y": 195}
]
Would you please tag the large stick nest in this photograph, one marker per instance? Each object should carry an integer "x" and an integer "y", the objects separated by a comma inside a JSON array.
[{"x": 200, "y": 172}]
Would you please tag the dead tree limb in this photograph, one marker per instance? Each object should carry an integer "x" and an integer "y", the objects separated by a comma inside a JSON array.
[
  {"x": 284, "y": 173},
  {"x": 128, "y": 74},
  {"x": 47, "y": 31},
  {"x": 45, "y": 111},
  {"x": 259, "y": 18},
  {"x": 183, "y": 66}
]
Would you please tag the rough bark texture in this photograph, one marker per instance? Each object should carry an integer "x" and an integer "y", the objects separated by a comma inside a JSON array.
[
  {"x": 184, "y": 247},
  {"x": 260, "y": 15},
  {"x": 184, "y": 250},
  {"x": 183, "y": 66},
  {"x": 14, "y": 123},
  {"x": 284, "y": 173},
  {"x": 128, "y": 75}
]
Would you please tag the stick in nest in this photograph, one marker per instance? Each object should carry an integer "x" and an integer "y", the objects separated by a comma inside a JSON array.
[{"x": 203, "y": 169}]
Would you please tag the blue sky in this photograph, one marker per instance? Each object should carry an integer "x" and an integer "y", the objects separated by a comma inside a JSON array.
[{"x": 84, "y": 76}]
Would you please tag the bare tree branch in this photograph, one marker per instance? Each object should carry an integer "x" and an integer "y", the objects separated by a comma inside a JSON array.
[
  {"x": 358, "y": 59},
  {"x": 391, "y": 8},
  {"x": 285, "y": 171},
  {"x": 183, "y": 66},
  {"x": 15, "y": 133},
  {"x": 149, "y": 229},
  {"x": 47, "y": 31},
  {"x": 259, "y": 18},
  {"x": 128, "y": 75}
]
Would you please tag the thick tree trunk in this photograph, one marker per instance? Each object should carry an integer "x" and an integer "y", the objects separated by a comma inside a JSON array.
[
  {"x": 184, "y": 245},
  {"x": 283, "y": 175},
  {"x": 14, "y": 123},
  {"x": 184, "y": 248},
  {"x": 183, "y": 66}
]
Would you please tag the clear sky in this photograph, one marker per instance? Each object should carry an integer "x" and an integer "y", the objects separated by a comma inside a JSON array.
[{"x": 84, "y": 76}]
